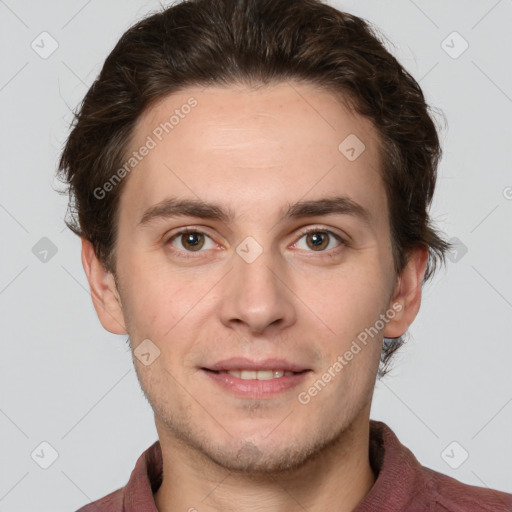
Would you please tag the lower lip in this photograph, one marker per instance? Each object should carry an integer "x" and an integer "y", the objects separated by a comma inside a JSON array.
[{"x": 254, "y": 388}]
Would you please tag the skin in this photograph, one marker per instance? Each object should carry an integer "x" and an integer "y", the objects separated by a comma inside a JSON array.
[{"x": 255, "y": 151}]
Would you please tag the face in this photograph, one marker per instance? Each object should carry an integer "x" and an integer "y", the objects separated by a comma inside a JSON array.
[{"x": 248, "y": 241}]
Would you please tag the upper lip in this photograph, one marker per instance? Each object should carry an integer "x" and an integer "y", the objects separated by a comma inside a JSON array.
[{"x": 242, "y": 363}]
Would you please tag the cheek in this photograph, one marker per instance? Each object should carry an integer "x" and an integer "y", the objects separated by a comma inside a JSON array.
[
  {"x": 154, "y": 299},
  {"x": 351, "y": 299}
]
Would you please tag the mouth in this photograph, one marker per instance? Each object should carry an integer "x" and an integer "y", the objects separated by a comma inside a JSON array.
[
  {"x": 256, "y": 374},
  {"x": 256, "y": 379}
]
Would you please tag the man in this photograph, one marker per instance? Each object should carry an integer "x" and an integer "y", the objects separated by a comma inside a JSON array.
[{"x": 251, "y": 181}]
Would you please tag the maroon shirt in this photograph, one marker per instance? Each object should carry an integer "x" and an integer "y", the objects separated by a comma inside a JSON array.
[{"x": 402, "y": 484}]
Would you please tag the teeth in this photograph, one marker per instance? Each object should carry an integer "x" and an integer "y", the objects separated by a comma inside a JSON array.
[{"x": 259, "y": 374}]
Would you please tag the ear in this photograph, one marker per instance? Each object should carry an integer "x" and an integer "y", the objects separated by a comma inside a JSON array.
[
  {"x": 407, "y": 294},
  {"x": 104, "y": 294}
]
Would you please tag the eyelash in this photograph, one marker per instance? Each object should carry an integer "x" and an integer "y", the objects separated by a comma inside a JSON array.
[{"x": 187, "y": 254}]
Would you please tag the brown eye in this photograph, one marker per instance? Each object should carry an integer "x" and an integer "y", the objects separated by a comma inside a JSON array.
[
  {"x": 320, "y": 240},
  {"x": 190, "y": 241},
  {"x": 317, "y": 240}
]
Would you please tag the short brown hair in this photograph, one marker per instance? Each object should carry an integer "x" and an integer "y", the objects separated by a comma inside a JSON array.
[{"x": 227, "y": 42}]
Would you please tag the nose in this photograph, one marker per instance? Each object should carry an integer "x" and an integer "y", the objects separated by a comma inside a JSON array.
[{"x": 257, "y": 297}]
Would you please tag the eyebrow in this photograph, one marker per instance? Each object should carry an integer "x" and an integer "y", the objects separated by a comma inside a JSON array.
[{"x": 175, "y": 207}]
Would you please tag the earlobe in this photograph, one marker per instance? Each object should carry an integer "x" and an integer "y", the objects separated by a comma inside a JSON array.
[
  {"x": 407, "y": 294},
  {"x": 104, "y": 293}
]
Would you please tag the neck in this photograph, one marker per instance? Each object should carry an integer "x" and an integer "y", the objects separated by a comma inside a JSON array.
[{"x": 336, "y": 478}]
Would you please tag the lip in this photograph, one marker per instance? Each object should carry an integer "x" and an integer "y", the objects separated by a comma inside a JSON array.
[
  {"x": 242, "y": 363},
  {"x": 254, "y": 388}
]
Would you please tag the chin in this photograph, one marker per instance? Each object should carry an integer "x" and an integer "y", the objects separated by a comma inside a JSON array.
[
  {"x": 254, "y": 460},
  {"x": 264, "y": 454}
]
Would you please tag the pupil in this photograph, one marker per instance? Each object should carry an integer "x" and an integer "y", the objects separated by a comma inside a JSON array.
[
  {"x": 192, "y": 239},
  {"x": 318, "y": 239}
]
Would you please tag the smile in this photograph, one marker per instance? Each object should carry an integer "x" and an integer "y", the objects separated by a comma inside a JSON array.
[
  {"x": 256, "y": 384},
  {"x": 258, "y": 374}
]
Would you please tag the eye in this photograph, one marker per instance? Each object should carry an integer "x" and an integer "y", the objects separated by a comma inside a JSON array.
[
  {"x": 190, "y": 240},
  {"x": 320, "y": 240}
]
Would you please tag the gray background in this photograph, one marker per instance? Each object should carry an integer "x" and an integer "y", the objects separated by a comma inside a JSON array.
[{"x": 69, "y": 383}]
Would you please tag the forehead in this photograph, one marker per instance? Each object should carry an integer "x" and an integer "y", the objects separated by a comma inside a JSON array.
[{"x": 254, "y": 148}]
